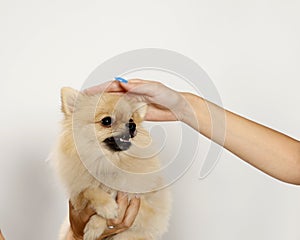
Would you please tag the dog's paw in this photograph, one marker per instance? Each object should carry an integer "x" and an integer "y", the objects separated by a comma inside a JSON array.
[
  {"x": 108, "y": 210},
  {"x": 94, "y": 228}
]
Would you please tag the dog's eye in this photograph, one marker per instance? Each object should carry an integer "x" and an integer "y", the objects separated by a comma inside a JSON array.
[{"x": 107, "y": 121}]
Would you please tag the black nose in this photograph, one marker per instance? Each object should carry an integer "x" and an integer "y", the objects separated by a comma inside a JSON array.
[{"x": 131, "y": 126}]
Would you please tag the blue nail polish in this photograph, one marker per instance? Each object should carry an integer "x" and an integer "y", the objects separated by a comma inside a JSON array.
[{"x": 123, "y": 80}]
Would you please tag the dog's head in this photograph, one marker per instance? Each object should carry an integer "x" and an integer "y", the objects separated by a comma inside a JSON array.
[
  {"x": 103, "y": 134},
  {"x": 116, "y": 119}
]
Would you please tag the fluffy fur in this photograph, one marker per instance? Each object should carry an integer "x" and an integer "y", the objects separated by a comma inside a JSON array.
[{"x": 93, "y": 167}]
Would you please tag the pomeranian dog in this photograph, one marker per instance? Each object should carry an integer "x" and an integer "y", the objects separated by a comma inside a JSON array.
[{"x": 103, "y": 149}]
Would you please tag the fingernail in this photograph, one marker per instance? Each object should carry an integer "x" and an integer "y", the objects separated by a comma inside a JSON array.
[
  {"x": 123, "y": 80},
  {"x": 137, "y": 196}
]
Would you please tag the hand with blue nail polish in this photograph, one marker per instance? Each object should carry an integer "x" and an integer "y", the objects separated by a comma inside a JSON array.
[{"x": 274, "y": 153}]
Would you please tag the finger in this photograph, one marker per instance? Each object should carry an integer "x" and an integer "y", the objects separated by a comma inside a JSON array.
[
  {"x": 130, "y": 215},
  {"x": 139, "y": 88},
  {"x": 122, "y": 200},
  {"x": 132, "y": 211},
  {"x": 137, "y": 80},
  {"x": 111, "y": 86},
  {"x": 111, "y": 232},
  {"x": 87, "y": 212}
]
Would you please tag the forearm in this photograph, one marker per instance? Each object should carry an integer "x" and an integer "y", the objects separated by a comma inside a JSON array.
[{"x": 270, "y": 151}]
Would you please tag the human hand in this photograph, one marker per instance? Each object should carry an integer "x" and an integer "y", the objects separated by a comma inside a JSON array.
[
  {"x": 1, "y": 236},
  {"x": 127, "y": 213},
  {"x": 164, "y": 104}
]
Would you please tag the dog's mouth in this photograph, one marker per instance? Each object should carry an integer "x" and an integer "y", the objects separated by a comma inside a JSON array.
[{"x": 120, "y": 142}]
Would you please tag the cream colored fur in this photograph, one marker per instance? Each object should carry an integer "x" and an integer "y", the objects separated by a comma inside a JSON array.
[{"x": 83, "y": 163}]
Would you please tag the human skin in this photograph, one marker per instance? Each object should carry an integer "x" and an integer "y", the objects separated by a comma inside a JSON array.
[
  {"x": 274, "y": 153},
  {"x": 127, "y": 213},
  {"x": 1, "y": 236}
]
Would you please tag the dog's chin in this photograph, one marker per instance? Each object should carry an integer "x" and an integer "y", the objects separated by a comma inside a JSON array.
[{"x": 118, "y": 143}]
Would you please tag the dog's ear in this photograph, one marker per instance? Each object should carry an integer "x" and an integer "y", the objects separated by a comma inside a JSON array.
[
  {"x": 68, "y": 100},
  {"x": 140, "y": 111}
]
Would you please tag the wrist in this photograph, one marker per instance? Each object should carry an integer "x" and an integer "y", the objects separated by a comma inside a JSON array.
[
  {"x": 188, "y": 108},
  {"x": 196, "y": 113}
]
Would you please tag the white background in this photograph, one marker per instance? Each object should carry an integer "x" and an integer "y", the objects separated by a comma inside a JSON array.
[{"x": 249, "y": 48}]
